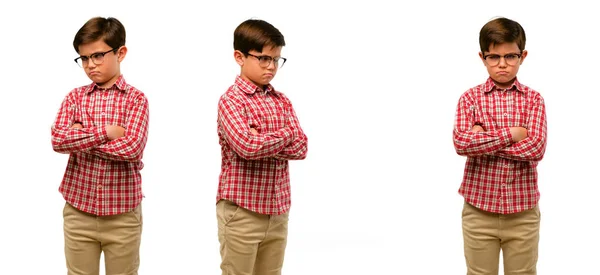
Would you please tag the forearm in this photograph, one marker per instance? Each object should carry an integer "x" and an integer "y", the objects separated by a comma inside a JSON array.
[
  {"x": 471, "y": 144},
  {"x": 127, "y": 148},
  {"x": 250, "y": 146},
  {"x": 529, "y": 149},
  {"x": 243, "y": 139},
  {"x": 295, "y": 151},
  {"x": 68, "y": 140}
]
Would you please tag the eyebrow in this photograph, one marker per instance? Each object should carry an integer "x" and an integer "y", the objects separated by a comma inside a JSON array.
[
  {"x": 503, "y": 54},
  {"x": 92, "y": 54}
]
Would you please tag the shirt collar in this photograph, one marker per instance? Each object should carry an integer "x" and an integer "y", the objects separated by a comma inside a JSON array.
[
  {"x": 120, "y": 85},
  {"x": 490, "y": 85},
  {"x": 250, "y": 88}
]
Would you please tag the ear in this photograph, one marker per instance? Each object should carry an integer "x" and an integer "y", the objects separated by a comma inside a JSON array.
[
  {"x": 523, "y": 55},
  {"x": 121, "y": 52},
  {"x": 239, "y": 57},
  {"x": 482, "y": 60}
]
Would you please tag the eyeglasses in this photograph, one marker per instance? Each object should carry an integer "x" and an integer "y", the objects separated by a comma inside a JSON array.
[
  {"x": 510, "y": 59},
  {"x": 265, "y": 60},
  {"x": 97, "y": 58}
]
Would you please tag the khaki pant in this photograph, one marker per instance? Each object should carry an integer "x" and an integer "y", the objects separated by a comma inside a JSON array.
[
  {"x": 485, "y": 234},
  {"x": 87, "y": 235},
  {"x": 251, "y": 243}
]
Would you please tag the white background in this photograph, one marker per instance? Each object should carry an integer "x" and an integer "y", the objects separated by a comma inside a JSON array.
[{"x": 375, "y": 87}]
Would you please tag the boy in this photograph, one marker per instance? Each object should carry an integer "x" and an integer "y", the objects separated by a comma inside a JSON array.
[
  {"x": 501, "y": 128},
  {"x": 258, "y": 133},
  {"x": 103, "y": 127}
]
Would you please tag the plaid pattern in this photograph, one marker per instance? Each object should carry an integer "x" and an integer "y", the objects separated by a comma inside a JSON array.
[
  {"x": 500, "y": 176},
  {"x": 102, "y": 177},
  {"x": 254, "y": 168}
]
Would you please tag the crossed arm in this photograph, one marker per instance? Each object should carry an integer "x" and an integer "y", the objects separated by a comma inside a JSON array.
[
  {"x": 113, "y": 142},
  {"x": 288, "y": 142},
  {"x": 516, "y": 143}
]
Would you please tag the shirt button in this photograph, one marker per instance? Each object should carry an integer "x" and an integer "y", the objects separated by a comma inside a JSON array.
[
  {"x": 99, "y": 186},
  {"x": 103, "y": 113},
  {"x": 505, "y": 114}
]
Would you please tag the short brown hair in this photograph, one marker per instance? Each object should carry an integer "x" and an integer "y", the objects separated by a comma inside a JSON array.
[
  {"x": 501, "y": 30},
  {"x": 110, "y": 30},
  {"x": 255, "y": 34}
]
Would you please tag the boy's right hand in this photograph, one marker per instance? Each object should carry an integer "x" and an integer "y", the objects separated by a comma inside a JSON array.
[
  {"x": 518, "y": 133},
  {"x": 114, "y": 131}
]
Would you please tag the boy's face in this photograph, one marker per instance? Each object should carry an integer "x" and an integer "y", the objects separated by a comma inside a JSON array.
[
  {"x": 502, "y": 62},
  {"x": 254, "y": 66},
  {"x": 101, "y": 64}
]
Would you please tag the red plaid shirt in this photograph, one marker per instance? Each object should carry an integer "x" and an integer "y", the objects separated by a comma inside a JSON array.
[
  {"x": 254, "y": 168},
  {"x": 500, "y": 176},
  {"x": 102, "y": 176}
]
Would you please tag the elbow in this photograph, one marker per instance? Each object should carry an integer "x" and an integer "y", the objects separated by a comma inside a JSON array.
[
  {"x": 58, "y": 142},
  {"x": 58, "y": 146},
  {"x": 136, "y": 153},
  {"x": 540, "y": 149},
  {"x": 460, "y": 146},
  {"x": 301, "y": 157},
  {"x": 132, "y": 157},
  {"x": 303, "y": 153},
  {"x": 539, "y": 155},
  {"x": 461, "y": 150}
]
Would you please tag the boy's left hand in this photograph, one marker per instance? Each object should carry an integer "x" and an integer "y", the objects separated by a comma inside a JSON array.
[{"x": 77, "y": 125}]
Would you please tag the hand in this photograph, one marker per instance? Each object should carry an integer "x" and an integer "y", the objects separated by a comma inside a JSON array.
[
  {"x": 77, "y": 125},
  {"x": 253, "y": 131},
  {"x": 477, "y": 129},
  {"x": 518, "y": 133},
  {"x": 114, "y": 131}
]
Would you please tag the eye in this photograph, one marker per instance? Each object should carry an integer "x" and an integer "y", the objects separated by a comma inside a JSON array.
[
  {"x": 493, "y": 57},
  {"x": 84, "y": 58},
  {"x": 276, "y": 59},
  {"x": 97, "y": 55},
  {"x": 265, "y": 59},
  {"x": 511, "y": 57}
]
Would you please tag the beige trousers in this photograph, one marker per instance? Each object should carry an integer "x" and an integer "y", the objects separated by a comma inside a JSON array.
[
  {"x": 87, "y": 235},
  {"x": 485, "y": 234},
  {"x": 251, "y": 243}
]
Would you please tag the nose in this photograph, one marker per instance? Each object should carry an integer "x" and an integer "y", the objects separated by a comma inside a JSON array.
[
  {"x": 502, "y": 62},
  {"x": 89, "y": 65}
]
